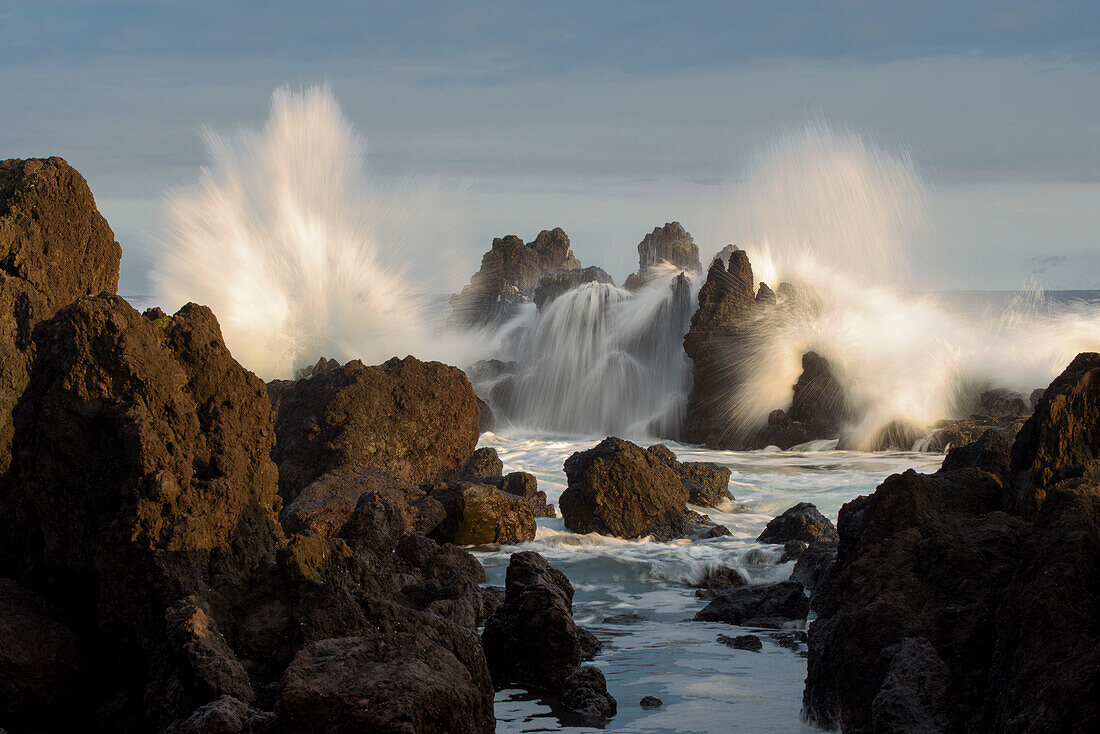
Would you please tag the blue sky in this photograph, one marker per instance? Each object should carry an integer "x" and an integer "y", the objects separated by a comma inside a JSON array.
[{"x": 604, "y": 118}]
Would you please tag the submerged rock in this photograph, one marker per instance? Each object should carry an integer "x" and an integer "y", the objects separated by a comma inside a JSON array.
[
  {"x": 751, "y": 643},
  {"x": 618, "y": 488},
  {"x": 772, "y": 605},
  {"x": 651, "y": 702},
  {"x": 585, "y": 694}
]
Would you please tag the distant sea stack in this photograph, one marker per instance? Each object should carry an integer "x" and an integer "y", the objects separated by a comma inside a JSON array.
[{"x": 670, "y": 245}]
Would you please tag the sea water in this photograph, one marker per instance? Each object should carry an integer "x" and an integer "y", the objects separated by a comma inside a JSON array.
[{"x": 705, "y": 685}]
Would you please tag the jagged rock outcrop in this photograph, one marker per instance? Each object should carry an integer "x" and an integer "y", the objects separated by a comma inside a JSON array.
[
  {"x": 966, "y": 600},
  {"x": 509, "y": 273},
  {"x": 552, "y": 285},
  {"x": 532, "y": 641},
  {"x": 54, "y": 248},
  {"x": 416, "y": 420},
  {"x": 670, "y": 245},
  {"x": 726, "y": 304}
]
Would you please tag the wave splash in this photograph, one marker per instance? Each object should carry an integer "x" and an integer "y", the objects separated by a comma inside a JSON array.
[{"x": 279, "y": 238}]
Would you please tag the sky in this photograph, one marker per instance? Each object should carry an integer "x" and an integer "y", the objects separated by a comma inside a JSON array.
[{"x": 607, "y": 119}]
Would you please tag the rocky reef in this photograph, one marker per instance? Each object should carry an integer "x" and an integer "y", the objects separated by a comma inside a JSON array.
[
  {"x": 966, "y": 600},
  {"x": 669, "y": 246}
]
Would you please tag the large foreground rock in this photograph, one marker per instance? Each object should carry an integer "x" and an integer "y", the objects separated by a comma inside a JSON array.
[
  {"x": 509, "y": 273},
  {"x": 416, "y": 420},
  {"x": 54, "y": 248},
  {"x": 381, "y": 683},
  {"x": 966, "y": 600}
]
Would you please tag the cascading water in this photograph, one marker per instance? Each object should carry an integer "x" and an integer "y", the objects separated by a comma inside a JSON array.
[
  {"x": 603, "y": 360},
  {"x": 279, "y": 238}
]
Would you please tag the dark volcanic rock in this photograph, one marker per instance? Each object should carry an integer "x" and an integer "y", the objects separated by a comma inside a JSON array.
[
  {"x": 552, "y": 285},
  {"x": 717, "y": 580},
  {"x": 651, "y": 702},
  {"x": 991, "y": 453},
  {"x": 948, "y": 434},
  {"x": 531, "y": 639},
  {"x": 55, "y": 247},
  {"x": 801, "y": 522},
  {"x": 414, "y": 419},
  {"x": 585, "y": 693},
  {"x": 751, "y": 643},
  {"x": 509, "y": 273},
  {"x": 669, "y": 244},
  {"x": 707, "y": 484},
  {"x": 999, "y": 402},
  {"x": 480, "y": 514},
  {"x": 382, "y": 683},
  {"x": 820, "y": 402},
  {"x": 38, "y": 658},
  {"x": 772, "y": 605},
  {"x": 946, "y": 612},
  {"x": 620, "y": 489},
  {"x": 524, "y": 485},
  {"x": 326, "y": 503},
  {"x": 483, "y": 464},
  {"x": 726, "y": 303}
]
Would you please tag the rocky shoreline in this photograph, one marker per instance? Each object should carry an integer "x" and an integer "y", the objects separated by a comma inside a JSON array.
[{"x": 189, "y": 550}]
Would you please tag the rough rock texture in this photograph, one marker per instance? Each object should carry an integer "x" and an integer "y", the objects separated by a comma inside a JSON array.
[
  {"x": 381, "y": 683},
  {"x": 991, "y": 452},
  {"x": 707, "y": 484},
  {"x": 772, "y": 605},
  {"x": 999, "y": 402},
  {"x": 948, "y": 434},
  {"x": 669, "y": 244},
  {"x": 585, "y": 694},
  {"x": 509, "y": 273},
  {"x": 483, "y": 464},
  {"x": 967, "y": 600},
  {"x": 620, "y": 489},
  {"x": 480, "y": 514},
  {"x": 726, "y": 303},
  {"x": 416, "y": 420},
  {"x": 54, "y": 248},
  {"x": 819, "y": 402},
  {"x": 531, "y": 639},
  {"x": 38, "y": 658},
  {"x": 801, "y": 522},
  {"x": 552, "y": 285}
]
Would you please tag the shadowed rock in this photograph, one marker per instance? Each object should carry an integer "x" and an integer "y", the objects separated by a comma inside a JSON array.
[
  {"x": 801, "y": 522},
  {"x": 772, "y": 605},
  {"x": 552, "y": 285}
]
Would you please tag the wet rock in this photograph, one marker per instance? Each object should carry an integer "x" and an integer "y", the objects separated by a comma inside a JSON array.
[
  {"x": 726, "y": 305},
  {"x": 55, "y": 247},
  {"x": 789, "y": 640},
  {"x": 483, "y": 464},
  {"x": 617, "y": 488},
  {"x": 820, "y": 402},
  {"x": 531, "y": 640},
  {"x": 480, "y": 514},
  {"x": 801, "y": 522},
  {"x": 553, "y": 285},
  {"x": 669, "y": 244},
  {"x": 949, "y": 434},
  {"x": 792, "y": 550},
  {"x": 509, "y": 273},
  {"x": 416, "y": 420},
  {"x": 384, "y": 683},
  {"x": 590, "y": 644},
  {"x": 651, "y": 702},
  {"x": 897, "y": 435},
  {"x": 38, "y": 658},
  {"x": 913, "y": 694},
  {"x": 707, "y": 484},
  {"x": 773, "y": 605},
  {"x": 719, "y": 579},
  {"x": 751, "y": 643},
  {"x": 812, "y": 566},
  {"x": 524, "y": 485},
  {"x": 585, "y": 694},
  {"x": 764, "y": 295},
  {"x": 1035, "y": 397}
]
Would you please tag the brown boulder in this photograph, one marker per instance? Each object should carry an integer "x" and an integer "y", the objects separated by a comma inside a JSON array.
[
  {"x": 480, "y": 514},
  {"x": 416, "y": 420},
  {"x": 801, "y": 522},
  {"x": 620, "y": 489}
]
